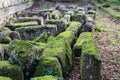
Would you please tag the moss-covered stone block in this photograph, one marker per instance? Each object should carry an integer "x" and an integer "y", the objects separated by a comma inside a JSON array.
[
  {"x": 31, "y": 32},
  {"x": 42, "y": 38},
  {"x": 60, "y": 48},
  {"x": 90, "y": 63},
  {"x": 48, "y": 66},
  {"x": 1, "y": 52},
  {"x": 74, "y": 27},
  {"x": 83, "y": 38},
  {"x": 4, "y": 39},
  {"x": 60, "y": 25},
  {"x": 47, "y": 77},
  {"x": 89, "y": 26},
  {"x": 39, "y": 46},
  {"x": 22, "y": 53},
  {"x": 12, "y": 71},
  {"x": 22, "y": 24},
  {"x": 69, "y": 35},
  {"x": 5, "y": 78}
]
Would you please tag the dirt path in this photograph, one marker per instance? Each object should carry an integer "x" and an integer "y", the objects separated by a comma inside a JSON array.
[{"x": 107, "y": 39}]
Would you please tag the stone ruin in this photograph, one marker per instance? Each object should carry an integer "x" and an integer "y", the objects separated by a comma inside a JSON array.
[{"x": 41, "y": 43}]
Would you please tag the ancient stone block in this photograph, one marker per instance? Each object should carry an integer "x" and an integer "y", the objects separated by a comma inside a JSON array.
[{"x": 12, "y": 71}]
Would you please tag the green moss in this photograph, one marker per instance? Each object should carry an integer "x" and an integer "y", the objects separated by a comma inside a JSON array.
[
  {"x": 90, "y": 53},
  {"x": 83, "y": 38},
  {"x": 5, "y": 39},
  {"x": 106, "y": 5},
  {"x": 47, "y": 77},
  {"x": 74, "y": 27},
  {"x": 48, "y": 66},
  {"x": 89, "y": 47},
  {"x": 22, "y": 52},
  {"x": 25, "y": 24},
  {"x": 52, "y": 21},
  {"x": 60, "y": 48},
  {"x": 69, "y": 35},
  {"x": 39, "y": 46},
  {"x": 5, "y": 78},
  {"x": 12, "y": 71},
  {"x": 42, "y": 38}
]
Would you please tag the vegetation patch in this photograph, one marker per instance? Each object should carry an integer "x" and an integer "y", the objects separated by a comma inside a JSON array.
[
  {"x": 47, "y": 77},
  {"x": 48, "y": 66},
  {"x": 12, "y": 71}
]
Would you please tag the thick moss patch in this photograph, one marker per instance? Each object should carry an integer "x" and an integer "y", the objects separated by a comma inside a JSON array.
[
  {"x": 42, "y": 38},
  {"x": 5, "y": 78},
  {"x": 48, "y": 66},
  {"x": 47, "y": 77},
  {"x": 90, "y": 61},
  {"x": 59, "y": 48},
  {"x": 4, "y": 39},
  {"x": 21, "y": 53},
  {"x": 69, "y": 35},
  {"x": 83, "y": 38},
  {"x": 74, "y": 27},
  {"x": 12, "y": 71}
]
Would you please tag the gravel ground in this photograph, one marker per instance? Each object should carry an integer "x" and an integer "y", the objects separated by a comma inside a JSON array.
[{"x": 108, "y": 41}]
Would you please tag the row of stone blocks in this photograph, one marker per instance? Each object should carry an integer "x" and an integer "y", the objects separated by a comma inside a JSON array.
[
  {"x": 55, "y": 60},
  {"x": 51, "y": 58}
]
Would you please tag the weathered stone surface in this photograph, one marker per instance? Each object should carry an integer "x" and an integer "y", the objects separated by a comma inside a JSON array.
[
  {"x": 47, "y": 77},
  {"x": 7, "y": 8},
  {"x": 80, "y": 16},
  {"x": 7, "y": 36},
  {"x": 48, "y": 66},
  {"x": 92, "y": 14},
  {"x": 89, "y": 26},
  {"x": 90, "y": 62},
  {"x": 5, "y": 78},
  {"x": 29, "y": 33},
  {"x": 60, "y": 25},
  {"x": 62, "y": 8},
  {"x": 12, "y": 71},
  {"x": 1, "y": 52},
  {"x": 56, "y": 14},
  {"x": 27, "y": 19}
]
